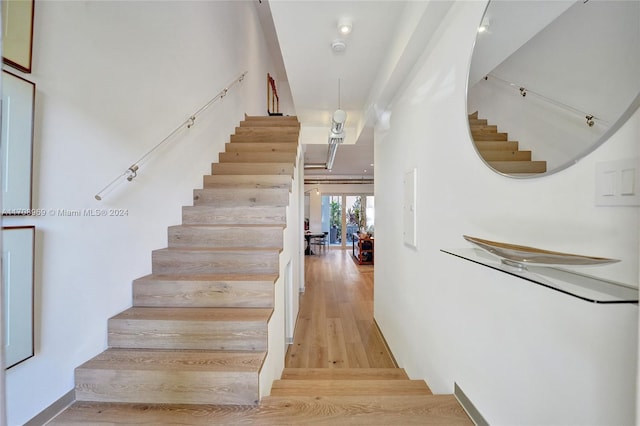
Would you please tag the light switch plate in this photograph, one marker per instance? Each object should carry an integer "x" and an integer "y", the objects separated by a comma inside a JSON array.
[
  {"x": 409, "y": 208},
  {"x": 618, "y": 183}
]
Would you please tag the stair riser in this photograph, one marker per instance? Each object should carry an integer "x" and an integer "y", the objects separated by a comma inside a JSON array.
[
  {"x": 202, "y": 335},
  {"x": 271, "y": 118},
  {"x": 506, "y": 155},
  {"x": 483, "y": 128},
  {"x": 203, "y": 294},
  {"x": 241, "y": 197},
  {"x": 344, "y": 374},
  {"x": 261, "y": 147},
  {"x": 178, "y": 262},
  {"x": 167, "y": 387},
  {"x": 490, "y": 137},
  {"x": 203, "y": 215},
  {"x": 247, "y": 181},
  {"x": 257, "y": 157},
  {"x": 218, "y": 237},
  {"x": 264, "y": 138},
  {"x": 252, "y": 169},
  {"x": 267, "y": 130},
  {"x": 519, "y": 166},
  {"x": 497, "y": 146},
  {"x": 293, "y": 124},
  {"x": 296, "y": 388}
]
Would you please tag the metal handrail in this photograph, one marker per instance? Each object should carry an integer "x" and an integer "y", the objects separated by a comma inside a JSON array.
[
  {"x": 590, "y": 118},
  {"x": 132, "y": 171}
]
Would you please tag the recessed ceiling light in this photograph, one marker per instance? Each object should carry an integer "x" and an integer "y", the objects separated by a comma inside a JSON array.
[
  {"x": 484, "y": 26},
  {"x": 344, "y": 26}
]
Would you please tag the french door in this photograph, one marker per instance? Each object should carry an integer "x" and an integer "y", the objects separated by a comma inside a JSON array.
[{"x": 344, "y": 215}]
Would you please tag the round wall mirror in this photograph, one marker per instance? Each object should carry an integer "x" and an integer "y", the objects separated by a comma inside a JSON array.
[{"x": 549, "y": 81}]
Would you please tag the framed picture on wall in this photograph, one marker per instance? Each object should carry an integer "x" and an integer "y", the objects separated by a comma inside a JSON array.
[
  {"x": 18, "y": 99},
  {"x": 17, "y": 43},
  {"x": 17, "y": 287}
]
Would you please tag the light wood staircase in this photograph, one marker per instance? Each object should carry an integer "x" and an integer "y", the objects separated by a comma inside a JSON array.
[
  {"x": 500, "y": 153},
  {"x": 197, "y": 330},
  {"x": 320, "y": 396},
  {"x": 190, "y": 349}
]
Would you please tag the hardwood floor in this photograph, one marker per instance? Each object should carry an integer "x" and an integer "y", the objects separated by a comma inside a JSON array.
[{"x": 335, "y": 327}]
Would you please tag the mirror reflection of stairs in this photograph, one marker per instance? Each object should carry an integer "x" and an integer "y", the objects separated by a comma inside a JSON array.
[{"x": 501, "y": 154}]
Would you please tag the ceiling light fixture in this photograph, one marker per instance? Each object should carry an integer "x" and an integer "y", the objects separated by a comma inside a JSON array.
[
  {"x": 484, "y": 26},
  {"x": 338, "y": 46},
  {"x": 344, "y": 26},
  {"x": 337, "y": 133}
]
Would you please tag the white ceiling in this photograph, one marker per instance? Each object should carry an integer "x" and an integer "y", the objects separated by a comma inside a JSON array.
[{"x": 386, "y": 40}]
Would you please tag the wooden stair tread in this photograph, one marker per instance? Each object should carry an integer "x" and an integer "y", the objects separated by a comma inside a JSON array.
[
  {"x": 427, "y": 410},
  {"x": 180, "y": 360},
  {"x": 195, "y": 314},
  {"x": 270, "y": 123},
  {"x": 262, "y": 147},
  {"x": 504, "y": 155},
  {"x": 252, "y": 168},
  {"x": 341, "y": 387},
  {"x": 257, "y": 157},
  {"x": 344, "y": 373},
  {"x": 212, "y": 277},
  {"x": 519, "y": 166},
  {"x": 267, "y": 130},
  {"x": 290, "y": 138},
  {"x": 369, "y": 410},
  {"x": 271, "y": 117}
]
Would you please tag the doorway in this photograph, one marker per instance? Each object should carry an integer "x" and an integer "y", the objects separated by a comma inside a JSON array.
[{"x": 343, "y": 215}]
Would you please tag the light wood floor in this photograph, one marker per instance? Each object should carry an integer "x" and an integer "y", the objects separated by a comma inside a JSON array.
[{"x": 335, "y": 327}]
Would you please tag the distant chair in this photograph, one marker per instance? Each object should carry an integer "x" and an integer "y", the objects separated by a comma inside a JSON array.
[{"x": 321, "y": 241}]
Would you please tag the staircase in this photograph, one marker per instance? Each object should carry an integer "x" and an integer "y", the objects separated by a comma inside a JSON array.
[
  {"x": 321, "y": 396},
  {"x": 500, "y": 153},
  {"x": 197, "y": 330},
  {"x": 191, "y": 348},
  {"x": 371, "y": 396}
]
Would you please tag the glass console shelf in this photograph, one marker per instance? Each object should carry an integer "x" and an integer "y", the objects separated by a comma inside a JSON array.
[{"x": 585, "y": 287}]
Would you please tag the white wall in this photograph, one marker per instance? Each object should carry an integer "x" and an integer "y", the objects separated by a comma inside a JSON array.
[
  {"x": 522, "y": 353},
  {"x": 286, "y": 299},
  {"x": 113, "y": 79}
]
